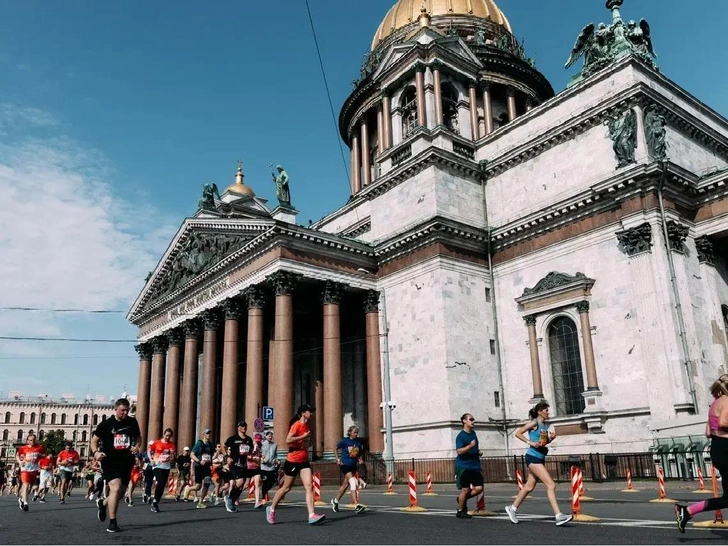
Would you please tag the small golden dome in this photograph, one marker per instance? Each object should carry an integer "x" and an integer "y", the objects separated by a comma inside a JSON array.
[
  {"x": 238, "y": 187},
  {"x": 405, "y": 12}
]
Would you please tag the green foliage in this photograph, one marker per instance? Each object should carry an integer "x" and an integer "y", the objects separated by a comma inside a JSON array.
[{"x": 53, "y": 441}]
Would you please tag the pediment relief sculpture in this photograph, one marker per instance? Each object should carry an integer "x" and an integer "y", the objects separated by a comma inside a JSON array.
[{"x": 555, "y": 280}]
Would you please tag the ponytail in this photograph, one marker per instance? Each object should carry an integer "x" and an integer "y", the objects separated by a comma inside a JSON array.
[
  {"x": 533, "y": 412},
  {"x": 296, "y": 417}
]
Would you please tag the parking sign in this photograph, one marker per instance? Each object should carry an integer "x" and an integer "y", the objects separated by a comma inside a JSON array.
[{"x": 268, "y": 413}]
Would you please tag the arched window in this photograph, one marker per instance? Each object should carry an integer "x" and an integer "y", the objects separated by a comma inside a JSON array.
[
  {"x": 8, "y": 416},
  {"x": 75, "y": 435},
  {"x": 42, "y": 418},
  {"x": 32, "y": 418},
  {"x": 103, "y": 418},
  {"x": 566, "y": 366},
  {"x": 6, "y": 435},
  {"x": 53, "y": 418},
  {"x": 83, "y": 452},
  {"x": 408, "y": 105},
  {"x": 96, "y": 419},
  {"x": 724, "y": 310},
  {"x": 84, "y": 435},
  {"x": 85, "y": 419},
  {"x": 41, "y": 434},
  {"x": 75, "y": 419},
  {"x": 21, "y": 419},
  {"x": 450, "y": 107},
  {"x": 63, "y": 418},
  {"x": 20, "y": 435}
]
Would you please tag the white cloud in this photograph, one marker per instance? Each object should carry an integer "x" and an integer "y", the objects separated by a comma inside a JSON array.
[{"x": 68, "y": 239}]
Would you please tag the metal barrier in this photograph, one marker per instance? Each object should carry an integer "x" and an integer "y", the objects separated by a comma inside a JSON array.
[{"x": 596, "y": 467}]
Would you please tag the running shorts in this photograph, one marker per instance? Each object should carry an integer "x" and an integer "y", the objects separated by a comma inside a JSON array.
[
  {"x": 465, "y": 478},
  {"x": 66, "y": 475},
  {"x": 294, "y": 469},
  {"x": 530, "y": 459},
  {"x": 201, "y": 472},
  {"x": 117, "y": 470},
  {"x": 28, "y": 477},
  {"x": 346, "y": 469}
]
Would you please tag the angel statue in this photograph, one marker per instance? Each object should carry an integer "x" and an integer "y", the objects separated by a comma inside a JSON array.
[
  {"x": 209, "y": 192},
  {"x": 592, "y": 44},
  {"x": 641, "y": 40}
]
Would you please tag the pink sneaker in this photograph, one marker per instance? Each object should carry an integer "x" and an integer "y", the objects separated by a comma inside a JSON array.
[
  {"x": 270, "y": 516},
  {"x": 316, "y": 519}
]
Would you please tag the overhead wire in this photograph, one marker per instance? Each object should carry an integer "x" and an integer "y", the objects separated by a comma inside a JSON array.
[
  {"x": 328, "y": 91},
  {"x": 52, "y": 310}
]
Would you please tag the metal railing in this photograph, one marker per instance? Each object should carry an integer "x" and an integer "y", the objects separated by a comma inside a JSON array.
[{"x": 596, "y": 467}]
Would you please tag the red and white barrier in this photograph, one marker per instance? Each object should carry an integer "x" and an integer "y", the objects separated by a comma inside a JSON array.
[
  {"x": 390, "y": 485},
  {"x": 171, "y": 487},
  {"x": 629, "y": 489},
  {"x": 317, "y": 490},
  {"x": 519, "y": 480},
  {"x": 576, "y": 484},
  {"x": 429, "y": 492},
  {"x": 661, "y": 485},
  {"x": 480, "y": 506},
  {"x": 582, "y": 496},
  {"x": 701, "y": 481},
  {"x": 718, "y": 522},
  {"x": 412, "y": 483},
  {"x": 251, "y": 492}
]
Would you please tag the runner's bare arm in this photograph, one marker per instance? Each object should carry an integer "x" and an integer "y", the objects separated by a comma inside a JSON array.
[{"x": 525, "y": 428}]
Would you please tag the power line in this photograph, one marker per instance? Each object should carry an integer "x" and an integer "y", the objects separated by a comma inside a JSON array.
[
  {"x": 71, "y": 339},
  {"x": 50, "y": 310},
  {"x": 328, "y": 92}
]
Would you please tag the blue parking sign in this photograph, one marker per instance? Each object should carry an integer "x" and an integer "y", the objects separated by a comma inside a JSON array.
[{"x": 268, "y": 413}]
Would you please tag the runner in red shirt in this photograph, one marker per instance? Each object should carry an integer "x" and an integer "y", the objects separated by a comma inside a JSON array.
[
  {"x": 297, "y": 463},
  {"x": 68, "y": 460},
  {"x": 28, "y": 457},
  {"x": 164, "y": 453},
  {"x": 46, "y": 463}
]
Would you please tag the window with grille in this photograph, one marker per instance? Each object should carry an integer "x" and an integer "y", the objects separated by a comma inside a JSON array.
[{"x": 566, "y": 366}]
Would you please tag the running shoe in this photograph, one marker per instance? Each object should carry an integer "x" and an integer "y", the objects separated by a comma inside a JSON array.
[
  {"x": 145, "y": 498},
  {"x": 316, "y": 519},
  {"x": 26, "y": 507},
  {"x": 362, "y": 484},
  {"x": 359, "y": 508},
  {"x": 270, "y": 516},
  {"x": 230, "y": 505},
  {"x": 682, "y": 516},
  {"x": 20, "y": 503},
  {"x": 258, "y": 505},
  {"x": 130, "y": 502},
  {"x": 91, "y": 497},
  {"x": 102, "y": 510},
  {"x": 42, "y": 501},
  {"x": 155, "y": 507},
  {"x": 563, "y": 518},
  {"x": 63, "y": 501},
  {"x": 334, "y": 505},
  {"x": 462, "y": 514},
  {"x": 511, "y": 513},
  {"x": 113, "y": 527},
  {"x": 200, "y": 505}
]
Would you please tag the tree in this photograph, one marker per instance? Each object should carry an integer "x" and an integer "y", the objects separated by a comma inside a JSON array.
[{"x": 53, "y": 441}]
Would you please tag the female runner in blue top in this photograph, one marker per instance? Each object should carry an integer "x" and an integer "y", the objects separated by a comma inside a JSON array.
[{"x": 538, "y": 437}]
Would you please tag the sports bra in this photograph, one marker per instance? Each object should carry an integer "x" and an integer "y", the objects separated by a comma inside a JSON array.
[{"x": 714, "y": 420}]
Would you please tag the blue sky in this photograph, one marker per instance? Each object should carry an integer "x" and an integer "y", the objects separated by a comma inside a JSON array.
[{"x": 113, "y": 115}]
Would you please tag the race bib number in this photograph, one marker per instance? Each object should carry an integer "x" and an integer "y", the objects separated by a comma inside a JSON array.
[
  {"x": 164, "y": 457},
  {"x": 244, "y": 449},
  {"x": 205, "y": 458},
  {"x": 122, "y": 441}
]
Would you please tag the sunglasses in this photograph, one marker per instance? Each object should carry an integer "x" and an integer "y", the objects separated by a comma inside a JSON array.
[{"x": 471, "y": 419}]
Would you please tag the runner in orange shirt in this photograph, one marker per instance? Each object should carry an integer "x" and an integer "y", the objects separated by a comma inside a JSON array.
[
  {"x": 68, "y": 460},
  {"x": 28, "y": 457},
  {"x": 297, "y": 463},
  {"x": 46, "y": 463},
  {"x": 164, "y": 453}
]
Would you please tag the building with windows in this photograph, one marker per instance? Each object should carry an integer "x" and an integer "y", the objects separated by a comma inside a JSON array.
[
  {"x": 503, "y": 244},
  {"x": 20, "y": 415}
]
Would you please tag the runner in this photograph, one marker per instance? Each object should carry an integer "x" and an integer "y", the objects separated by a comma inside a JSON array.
[
  {"x": 163, "y": 454},
  {"x": 148, "y": 472},
  {"x": 46, "y": 464},
  {"x": 538, "y": 438},
  {"x": 202, "y": 457},
  {"x": 254, "y": 458},
  {"x": 2, "y": 477},
  {"x": 218, "y": 460},
  {"x": 297, "y": 463},
  {"x": 136, "y": 478},
  {"x": 90, "y": 469},
  {"x": 120, "y": 438},
  {"x": 269, "y": 464},
  {"x": 351, "y": 450},
  {"x": 28, "y": 457},
  {"x": 717, "y": 430},
  {"x": 68, "y": 459},
  {"x": 184, "y": 463},
  {"x": 239, "y": 447},
  {"x": 468, "y": 476}
]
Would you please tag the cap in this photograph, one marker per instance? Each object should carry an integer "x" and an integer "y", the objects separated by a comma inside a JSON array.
[
  {"x": 306, "y": 407},
  {"x": 185, "y": 448},
  {"x": 258, "y": 436},
  {"x": 242, "y": 424},
  {"x": 207, "y": 431},
  {"x": 151, "y": 442}
]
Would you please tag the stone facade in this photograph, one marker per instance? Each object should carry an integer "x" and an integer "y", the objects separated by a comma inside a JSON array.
[{"x": 517, "y": 259}]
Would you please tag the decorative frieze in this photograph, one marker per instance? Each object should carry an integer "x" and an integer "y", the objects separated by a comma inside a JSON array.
[
  {"x": 464, "y": 151},
  {"x": 283, "y": 282},
  {"x": 554, "y": 280},
  {"x": 332, "y": 292},
  {"x": 371, "y": 303},
  {"x": 635, "y": 240},
  {"x": 676, "y": 235},
  {"x": 401, "y": 155},
  {"x": 704, "y": 246},
  {"x": 144, "y": 350}
]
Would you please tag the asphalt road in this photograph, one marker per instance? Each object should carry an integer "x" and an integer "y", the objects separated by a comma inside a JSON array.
[{"x": 625, "y": 519}]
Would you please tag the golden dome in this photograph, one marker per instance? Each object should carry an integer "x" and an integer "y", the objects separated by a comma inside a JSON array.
[
  {"x": 238, "y": 187},
  {"x": 405, "y": 12}
]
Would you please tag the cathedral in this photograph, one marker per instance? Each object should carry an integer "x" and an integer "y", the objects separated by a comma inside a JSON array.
[{"x": 503, "y": 244}]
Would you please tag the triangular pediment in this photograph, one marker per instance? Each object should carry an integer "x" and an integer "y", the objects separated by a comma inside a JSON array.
[{"x": 200, "y": 245}]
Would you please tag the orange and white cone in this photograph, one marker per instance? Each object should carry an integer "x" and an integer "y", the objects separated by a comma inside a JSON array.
[
  {"x": 390, "y": 485},
  {"x": 317, "y": 490},
  {"x": 629, "y": 489},
  {"x": 413, "y": 506},
  {"x": 575, "y": 500},
  {"x": 661, "y": 485},
  {"x": 429, "y": 492},
  {"x": 480, "y": 506},
  {"x": 701, "y": 481}
]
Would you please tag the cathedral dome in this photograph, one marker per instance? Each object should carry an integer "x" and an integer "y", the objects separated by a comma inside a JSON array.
[{"x": 405, "y": 12}]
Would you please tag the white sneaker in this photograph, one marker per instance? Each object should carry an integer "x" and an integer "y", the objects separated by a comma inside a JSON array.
[
  {"x": 512, "y": 514},
  {"x": 362, "y": 484},
  {"x": 563, "y": 518}
]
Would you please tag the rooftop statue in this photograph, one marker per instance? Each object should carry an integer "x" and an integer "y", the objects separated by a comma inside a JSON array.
[
  {"x": 283, "y": 193},
  {"x": 601, "y": 45},
  {"x": 209, "y": 192}
]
